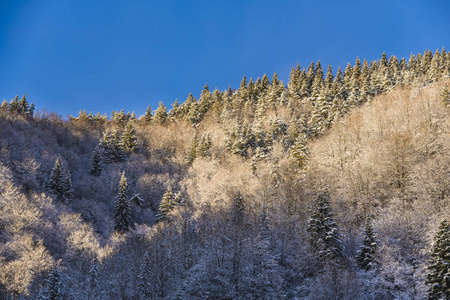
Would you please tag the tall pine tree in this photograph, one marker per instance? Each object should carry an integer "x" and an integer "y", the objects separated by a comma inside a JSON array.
[
  {"x": 68, "y": 190},
  {"x": 55, "y": 183},
  {"x": 324, "y": 231},
  {"x": 96, "y": 163},
  {"x": 438, "y": 277},
  {"x": 59, "y": 184},
  {"x": 145, "y": 286},
  {"x": 266, "y": 277},
  {"x": 129, "y": 139},
  {"x": 148, "y": 114},
  {"x": 192, "y": 152},
  {"x": 166, "y": 205},
  {"x": 94, "y": 277},
  {"x": 366, "y": 253},
  {"x": 4, "y": 107},
  {"x": 52, "y": 289},
  {"x": 160, "y": 113},
  {"x": 300, "y": 151},
  {"x": 122, "y": 209}
]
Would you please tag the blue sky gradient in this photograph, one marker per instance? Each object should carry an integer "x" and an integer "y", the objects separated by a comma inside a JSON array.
[{"x": 108, "y": 55}]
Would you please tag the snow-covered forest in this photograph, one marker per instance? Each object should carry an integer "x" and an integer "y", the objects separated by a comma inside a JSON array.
[{"x": 334, "y": 185}]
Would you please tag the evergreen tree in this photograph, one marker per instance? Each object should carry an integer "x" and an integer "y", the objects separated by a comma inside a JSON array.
[
  {"x": 438, "y": 276},
  {"x": 112, "y": 147},
  {"x": 365, "y": 81},
  {"x": 186, "y": 106},
  {"x": 275, "y": 80},
  {"x": 366, "y": 253},
  {"x": 205, "y": 101},
  {"x": 348, "y": 75},
  {"x": 56, "y": 183},
  {"x": 317, "y": 84},
  {"x": 435, "y": 71},
  {"x": 263, "y": 224},
  {"x": 237, "y": 210},
  {"x": 4, "y": 107},
  {"x": 122, "y": 209},
  {"x": 338, "y": 85},
  {"x": 118, "y": 117},
  {"x": 31, "y": 109},
  {"x": 258, "y": 156},
  {"x": 166, "y": 205},
  {"x": 394, "y": 71},
  {"x": 194, "y": 115},
  {"x": 352, "y": 100},
  {"x": 160, "y": 113},
  {"x": 324, "y": 232},
  {"x": 356, "y": 71},
  {"x": 144, "y": 278},
  {"x": 14, "y": 105},
  {"x": 294, "y": 84},
  {"x": 443, "y": 62},
  {"x": 226, "y": 113},
  {"x": 412, "y": 66},
  {"x": 241, "y": 95},
  {"x": 365, "y": 92},
  {"x": 116, "y": 141},
  {"x": 52, "y": 289},
  {"x": 376, "y": 79},
  {"x": 260, "y": 139},
  {"x": 106, "y": 149},
  {"x": 275, "y": 91},
  {"x": 403, "y": 71},
  {"x": 309, "y": 79},
  {"x": 335, "y": 112},
  {"x": 129, "y": 139},
  {"x": 266, "y": 278},
  {"x": 383, "y": 61},
  {"x": 239, "y": 139},
  {"x": 237, "y": 214},
  {"x": 174, "y": 112},
  {"x": 203, "y": 146},
  {"x": 365, "y": 72},
  {"x": 275, "y": 178},
  {"x": 419, "y": 59},
  {"x": 265, "y": 84},
  {"x": 445, "y": 65},
  {"x": 277, "y": 128},
  {"x": 68, "y": 190},
  {"x": 320, "y": 113},
  {"x": 23, "y": 105},
  {"x": 261, "y": 107},
  {"x": 218, "y": 102},
  {"x": 96, "y": 163},
  {"x": 148, "y": 114},
  {"x": 304, "y": 84},
  {"x": 258, "y": 87},
  {"x": 94, "y": 274},
  {"x": 192, "y": 154},
  {"x": 300, "y": 152},
  {"x": 329, "y": 79},
  {"x": 426, "y": 64}
]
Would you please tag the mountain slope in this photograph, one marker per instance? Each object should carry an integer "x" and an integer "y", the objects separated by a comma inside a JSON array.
[{"x": 240, "y": 174}]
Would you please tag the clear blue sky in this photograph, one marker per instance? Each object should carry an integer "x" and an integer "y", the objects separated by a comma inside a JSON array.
[{"x": 105, "y": 55}]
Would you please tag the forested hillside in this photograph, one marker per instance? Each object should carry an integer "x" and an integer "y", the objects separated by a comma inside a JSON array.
[{"x": 334, "y": 185}]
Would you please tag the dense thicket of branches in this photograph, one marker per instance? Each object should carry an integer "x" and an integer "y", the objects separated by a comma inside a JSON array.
[{"x": 262, "y": 192}]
